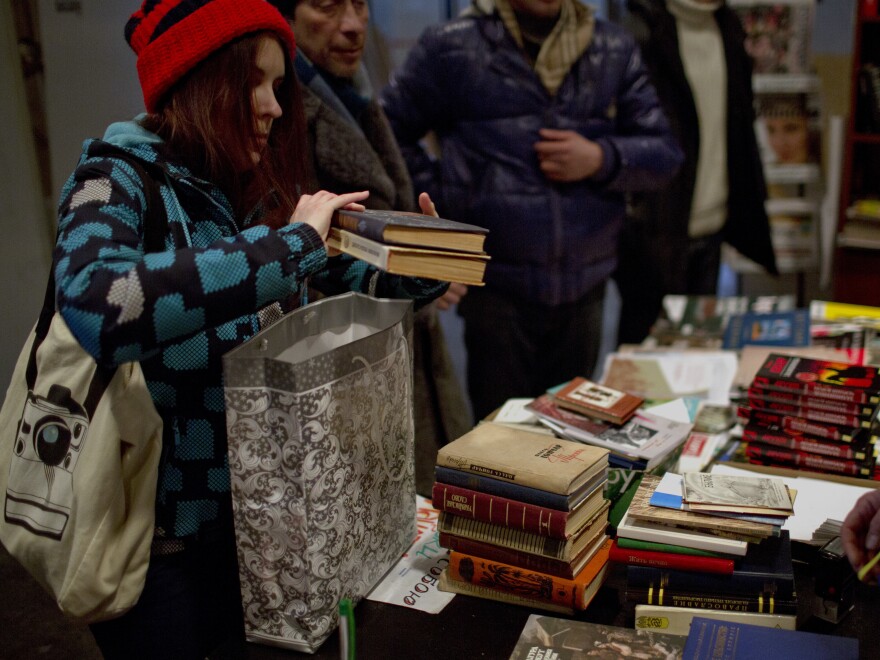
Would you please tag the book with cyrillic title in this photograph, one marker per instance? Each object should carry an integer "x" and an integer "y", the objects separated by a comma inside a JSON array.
[
  {"x": 677, "y": 620},
  {"x": 444, "y": 265},
  {"x": 588, "y": 398}
]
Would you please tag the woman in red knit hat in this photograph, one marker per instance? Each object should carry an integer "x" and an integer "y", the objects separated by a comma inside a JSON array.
[{"x": 223, "y": 143}]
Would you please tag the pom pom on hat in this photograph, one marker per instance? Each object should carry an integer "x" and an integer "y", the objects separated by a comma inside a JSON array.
[{"x": 170, "y": 37}]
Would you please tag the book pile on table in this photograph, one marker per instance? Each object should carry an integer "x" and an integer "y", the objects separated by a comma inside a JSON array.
[
  {"x": 702, "y": 544},
  {"x": 812, "y": 414},
  {"x": 524, "y": 516},
  {"x": 412, "y": 244}
]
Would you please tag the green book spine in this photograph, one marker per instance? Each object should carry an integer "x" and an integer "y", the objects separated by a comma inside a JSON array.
[{"x": 665, "y": 547}]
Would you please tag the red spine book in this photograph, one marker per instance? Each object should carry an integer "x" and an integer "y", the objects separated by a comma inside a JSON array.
[
  {"x": 501, "y": 510},
  {"x": 837, "y": 380},
  {"x": 806, "y": 444},
  {"x": 792, "y": 424},
  {"x": 575, "y": 593},
  {"x": 813, "y": 402},
  {"x": 763, "y": 454},
  {"x": 823, "y": 416},
  {"x": 671, "y": 560}
]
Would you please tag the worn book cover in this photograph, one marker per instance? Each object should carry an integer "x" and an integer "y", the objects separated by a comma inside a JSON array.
[
  {"x": 576, "y": 592},
  {"x": 594, "y": 400},
  {"x": 711, "y": 639},
  {"x": 641, "y": 509},
  {"x": 532, "y": 459},
  {"x": 847, "y": 382},
  {"x": 563, "y": 639},
  {"x": 444, "y": 265},
  {"x": 742, "y": 491},
  {"x": 416, "y": 229}
]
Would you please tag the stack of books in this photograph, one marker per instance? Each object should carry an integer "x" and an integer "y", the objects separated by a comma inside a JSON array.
[
  {"x": 703, "y": 544},
  {"x": 412, "y": 244},
  {"x": 812, "y": 414},
  {"x": 524, "y": 516}
]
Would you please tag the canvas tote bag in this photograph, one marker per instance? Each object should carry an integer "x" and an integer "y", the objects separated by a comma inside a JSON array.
[
  {"x": 79, "y": 453},
  {"x": 319, "y": 414}
]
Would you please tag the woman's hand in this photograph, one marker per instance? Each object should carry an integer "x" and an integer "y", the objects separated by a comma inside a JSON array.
[
  {"x": 860, "y": 533},
  {"x": 317, "y": 210}
]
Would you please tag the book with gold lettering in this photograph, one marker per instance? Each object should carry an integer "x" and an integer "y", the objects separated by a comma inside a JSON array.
[{"x": 519, "y": 456}]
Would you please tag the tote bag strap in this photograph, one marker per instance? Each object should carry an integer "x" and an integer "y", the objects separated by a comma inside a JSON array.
[{"x": 155, "y": 229}]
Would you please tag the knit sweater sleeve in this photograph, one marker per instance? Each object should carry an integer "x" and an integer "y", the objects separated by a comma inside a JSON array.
[{"x": 122, "y": 304}]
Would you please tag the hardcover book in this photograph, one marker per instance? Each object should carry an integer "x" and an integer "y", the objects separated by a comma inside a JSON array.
[
  {"x": 513, "y": 491},
  {"x": 852, "y": 451},
  {"x": 514, "y": 513},
  {"x": 671, "y": 560},
  {"x": 765, "y": 568},
  {"x": 812, "y": 402},
  {"x": 769, "y": 455},
  {"x": 790, "y": 328},
  {"x": 403, "y": 228},
  {"x": 791, "y": 424},
  {"x": 566, "y": 549},
  {"x": 646, "y": 531},
  {"x": 575, "y": 593},
  {"x": 711, "y": 639},
  {"x": 531, "y": 459},
  {"x": 840, "y": 380},
  {"x": 812, "y": 414},
  {"x": 551, "y": 637},
  {"x": 645, "y": 437},
  {"x": 444, "y": 265},
  {"x": 677, "y": 620},
  {"x": 666, "y": 597},
  {"x": 445, "y": 583},
  {"x": 593, "y": 400},
  {"x": 635, "y": 544}
]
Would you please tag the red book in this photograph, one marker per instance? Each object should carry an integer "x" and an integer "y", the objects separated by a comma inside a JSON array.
[
  {"x": 576, "y": 592},
  {"x": 837, "y": 380},
  {"x": 593, "y": 400},
  {"x": 792, "y": 424},
  {"x": 823, "y": 416},
  {"x": 847, "y": 451},
  {"x": 513, "y": 513},
  {"x": 671, "y": 560},
  {"x": 813, "y": 402},
  {"x": 767, "y": 455}
]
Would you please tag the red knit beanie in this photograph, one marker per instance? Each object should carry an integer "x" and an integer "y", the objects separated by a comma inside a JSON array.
[{"x": 170, "y": 37}]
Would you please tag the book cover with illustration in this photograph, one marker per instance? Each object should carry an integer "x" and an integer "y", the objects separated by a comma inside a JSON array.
[{"x": 779, "y": 34}]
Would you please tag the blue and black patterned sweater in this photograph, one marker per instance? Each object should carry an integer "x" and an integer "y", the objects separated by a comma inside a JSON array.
[{"x": 179, "y": 311}]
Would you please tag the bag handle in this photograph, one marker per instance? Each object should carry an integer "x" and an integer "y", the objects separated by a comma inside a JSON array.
[{"x": 155, "y": 229}]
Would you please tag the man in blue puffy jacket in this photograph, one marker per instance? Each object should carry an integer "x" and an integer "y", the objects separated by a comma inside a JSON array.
[{"x": 545, "y": 118}]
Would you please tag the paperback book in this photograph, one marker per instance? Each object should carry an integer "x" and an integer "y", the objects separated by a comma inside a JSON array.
[
  {"x": 851, "y": 451},
  {"x": 792, "y": 424},
  {"x": 843, "y": 381},
  {"x": 762, "y": 603},
  {"x": 790, "y": 328},
  {"x": 682, "y": 562},
  {"x": 642, "y": 530},
  {"x": 769, "y": 455},
  {"x": 677, "y": 620}
]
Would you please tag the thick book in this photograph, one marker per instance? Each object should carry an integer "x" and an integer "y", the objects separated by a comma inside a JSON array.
[
  {"x": 641, "y": 509},
  {"x": 502, "y": 488},
  {"x": 531, "y": 459},
  {"x": 769, "y": 455},
  {"x": 671, "y": 560},
  {"x": 677, "y": 620},
  {"x": 514, "y": 513},
  {"x": 839, "y": 380},
  {"x": 442, "y": 265},
  {"x": 646, "y": 531},
  {"x": 765, "y": 568},
  {"x": 812, "y": 402},
  {"x": 548, "y": 638},
  {"x": 840, "y": 450},
  {"x": 646, "y": 437},
  {"x": 576, "y": 592},
  {"x": 712, "y": 639},
  {"x": 793, "y": 424},
  {"x": 404, "y": 228},
  {"x": 762, "y": 603},
  {"x": 566, "y": 549},
  {"x": 445, "y": 583},
  {"x": 790, "y": 328},
  {"x": 593, "y": 400},
  {"x": 812, "y": 414}
]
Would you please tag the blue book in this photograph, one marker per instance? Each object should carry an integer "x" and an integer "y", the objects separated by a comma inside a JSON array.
[
  {"x": 790, "y": 328},
  {"x": 711, "y": 639},
  {"x": 766, "y": 568},
  {"x": 484, "y": 484}
]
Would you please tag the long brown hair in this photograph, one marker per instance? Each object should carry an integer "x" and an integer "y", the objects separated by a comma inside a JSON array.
[{"x": 208, "y": 121}]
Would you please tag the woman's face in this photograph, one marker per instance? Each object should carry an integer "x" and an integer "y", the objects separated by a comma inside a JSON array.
[
  {"x": 268, "y": 75},
  {"x": 789, "y": 138}
]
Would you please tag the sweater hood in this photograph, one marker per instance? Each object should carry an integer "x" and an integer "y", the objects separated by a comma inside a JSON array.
[{"x": 130, "y": 134}]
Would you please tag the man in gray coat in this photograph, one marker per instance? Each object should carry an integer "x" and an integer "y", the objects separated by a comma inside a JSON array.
[{"x": 353, "y": 148}]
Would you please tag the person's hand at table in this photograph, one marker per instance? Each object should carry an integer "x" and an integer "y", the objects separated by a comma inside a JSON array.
[{"x": 860, "y": 534}]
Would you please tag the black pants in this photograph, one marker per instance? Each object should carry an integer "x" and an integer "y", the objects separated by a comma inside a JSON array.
[
  {"x": 519, "y": 349},
  {"x": 191, "y": 605}
]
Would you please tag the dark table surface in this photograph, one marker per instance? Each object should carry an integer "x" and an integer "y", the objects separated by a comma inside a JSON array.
[{"x": 477, "y": 628}]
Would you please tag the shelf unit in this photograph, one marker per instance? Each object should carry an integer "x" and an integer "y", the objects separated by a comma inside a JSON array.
[{"x": 857, "y": 257}]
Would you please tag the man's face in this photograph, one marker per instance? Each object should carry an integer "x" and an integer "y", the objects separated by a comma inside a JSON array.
[
  {"x": 331, "y": 33},
  {"x": 537, "y": 8}
]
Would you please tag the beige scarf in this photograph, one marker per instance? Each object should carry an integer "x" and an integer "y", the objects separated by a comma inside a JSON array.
[{"x": 561, "y": 49}]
